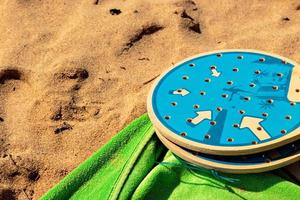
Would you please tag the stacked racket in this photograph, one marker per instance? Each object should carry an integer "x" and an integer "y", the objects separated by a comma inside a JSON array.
[{"x": 235, "y": 111}]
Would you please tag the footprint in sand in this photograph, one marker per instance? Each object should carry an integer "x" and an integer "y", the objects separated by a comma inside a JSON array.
[
  {"x": 64, "y": 102},
  {"x": 15, "y": 167},
  {"x": 9, "y": 78}
]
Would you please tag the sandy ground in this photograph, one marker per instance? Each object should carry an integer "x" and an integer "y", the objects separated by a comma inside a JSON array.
[{"x": 74, "y": 73}]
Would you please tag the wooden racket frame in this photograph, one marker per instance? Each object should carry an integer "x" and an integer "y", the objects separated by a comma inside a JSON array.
[{"x": 227, "y": 168}]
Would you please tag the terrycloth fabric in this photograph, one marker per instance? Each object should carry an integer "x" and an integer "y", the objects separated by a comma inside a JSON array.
[{"x": 135, "y": 165}]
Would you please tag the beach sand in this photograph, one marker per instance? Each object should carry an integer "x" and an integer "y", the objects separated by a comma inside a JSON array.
[{"x": 74, "y": 73}]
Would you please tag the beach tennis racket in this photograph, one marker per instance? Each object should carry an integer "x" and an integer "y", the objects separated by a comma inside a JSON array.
[
  {"x": 228, "y": 102},
  {"x": 241, "y": 164}
]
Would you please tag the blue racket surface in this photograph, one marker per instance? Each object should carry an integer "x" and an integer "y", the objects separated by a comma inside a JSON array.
[{"x": 231, "y": 101}]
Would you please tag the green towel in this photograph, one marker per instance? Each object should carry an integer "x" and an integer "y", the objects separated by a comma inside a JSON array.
[{"x": 135, "y": 165}]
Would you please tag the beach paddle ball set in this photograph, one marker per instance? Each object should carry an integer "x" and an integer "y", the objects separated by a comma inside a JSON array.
[{"x": 235, "y": 111}]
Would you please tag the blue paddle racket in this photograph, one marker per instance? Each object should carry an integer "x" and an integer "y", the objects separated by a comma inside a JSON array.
[
  {"x": 241, "y": 164},
  {"x": 228, "y": 102}
]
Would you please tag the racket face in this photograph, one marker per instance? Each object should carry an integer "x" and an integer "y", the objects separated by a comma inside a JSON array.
[
  {"x": 254, "y": 163},
  {"x": 228, "y": 102}
]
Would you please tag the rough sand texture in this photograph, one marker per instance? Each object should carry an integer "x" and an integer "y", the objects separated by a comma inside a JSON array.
[{"x": 73, "y": 73}]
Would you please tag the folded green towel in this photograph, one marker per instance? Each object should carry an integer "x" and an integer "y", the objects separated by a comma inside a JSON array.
[{"x": 135, "y": 165}]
